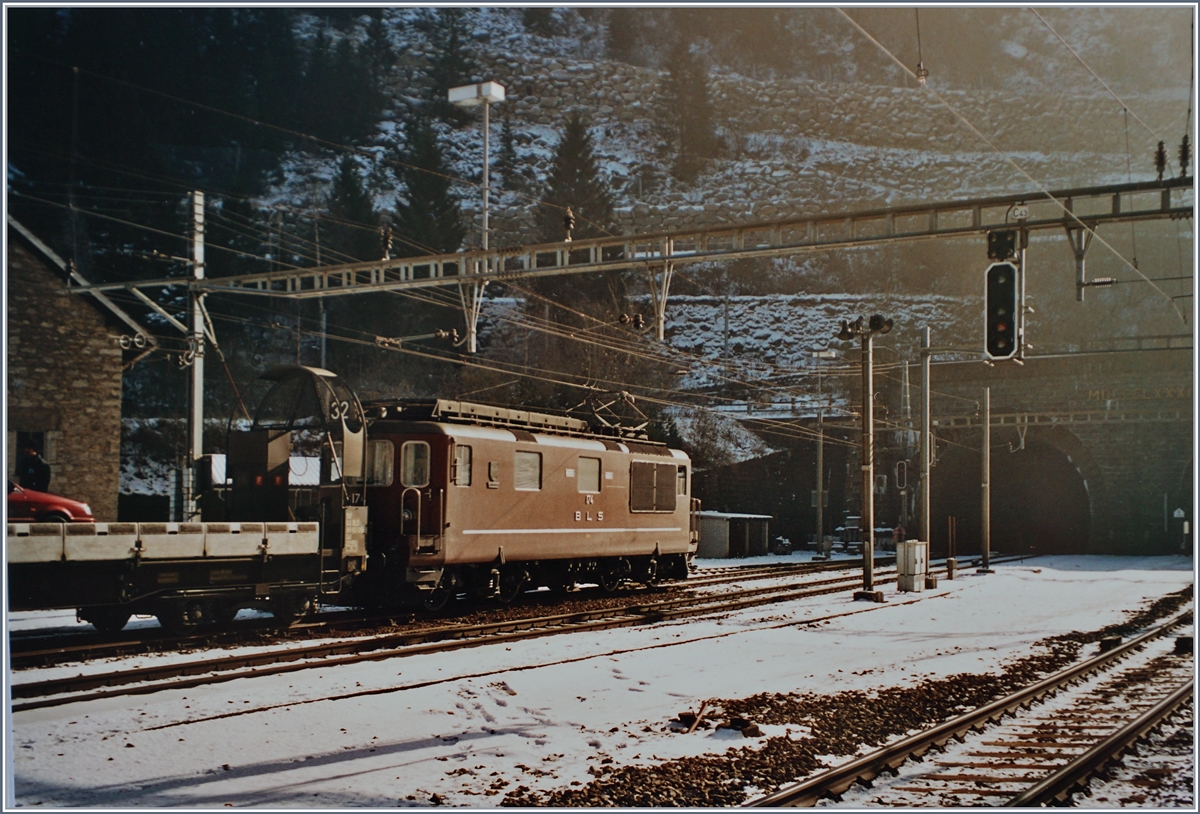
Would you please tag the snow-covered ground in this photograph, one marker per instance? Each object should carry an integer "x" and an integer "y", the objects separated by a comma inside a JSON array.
[{"x": 465, "y": 727}]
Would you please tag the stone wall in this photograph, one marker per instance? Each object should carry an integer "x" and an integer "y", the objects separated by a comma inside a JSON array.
[{"x": 64, "y": 380}]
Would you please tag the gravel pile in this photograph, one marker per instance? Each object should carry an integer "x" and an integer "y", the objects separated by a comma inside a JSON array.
[{"x": 838, "y": 725}]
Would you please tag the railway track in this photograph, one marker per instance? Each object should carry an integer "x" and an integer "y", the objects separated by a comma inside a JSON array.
[
  {"x": 1086, "y": 717},
  {"x": 31, "y": 650},
  {"x": 183, "y": 675}
]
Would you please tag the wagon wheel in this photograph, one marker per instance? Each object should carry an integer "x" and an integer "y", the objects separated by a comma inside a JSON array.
[
  {"x": 223, "y": 613},
  {"x": 288, "y": 610},
  {"x": 107, "y": 620},
  {"x": 183, "y": 617},
  {"x": 511, "y": 582}
]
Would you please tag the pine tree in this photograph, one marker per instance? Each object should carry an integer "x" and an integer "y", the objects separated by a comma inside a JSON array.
[
  {"x": 575, "y": 181},
  {"x": 622, "y": 33},
  {"x": 539, "y": 20},
  {"x": 453, "y": 63},
  {"x": 691, "y": 110},
  {"x": 430, "y": 221},
  {"x": 351, "y": 234},
  {"x": 381, "y": 56},
  {"x": 505, "y": 165}
]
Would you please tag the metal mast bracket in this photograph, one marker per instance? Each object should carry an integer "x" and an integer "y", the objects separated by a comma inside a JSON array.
[{"x": 1080, "y": 238}]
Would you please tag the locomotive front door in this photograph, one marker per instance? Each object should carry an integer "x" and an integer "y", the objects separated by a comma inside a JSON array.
[{"x": 421, "y": 499}]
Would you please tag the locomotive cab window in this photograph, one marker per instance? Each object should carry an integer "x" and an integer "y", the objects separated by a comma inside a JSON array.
[
  {"x": 588, "y": 477},
  {"x": 462, "y": 465},
  {"x": 414, "y": 464},
  {"x": 381, "y": 456},
  {"x": 681, "y": 481},
  {"x": 380, "y": 463},
  {"x": 527, "y": 471}
]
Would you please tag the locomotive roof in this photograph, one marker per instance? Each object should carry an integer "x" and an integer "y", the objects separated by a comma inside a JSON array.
[{"x": 487, "y": 415}]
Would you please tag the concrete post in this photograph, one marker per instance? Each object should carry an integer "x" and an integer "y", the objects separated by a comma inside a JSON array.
[
  {"x": 987, "y": 478},
  {"x": 926, "y": 452},
  {"x": 196, "y": 391},
  {"x": 821, "y": 484}
]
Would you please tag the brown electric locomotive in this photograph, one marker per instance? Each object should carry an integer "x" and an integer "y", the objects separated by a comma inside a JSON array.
[
  {"x": 415, "y": 500},
  {"x": 493, "y": 501}
]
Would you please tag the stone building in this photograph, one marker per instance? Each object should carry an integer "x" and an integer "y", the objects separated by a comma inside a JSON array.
[{"x": 65, "y": 363}]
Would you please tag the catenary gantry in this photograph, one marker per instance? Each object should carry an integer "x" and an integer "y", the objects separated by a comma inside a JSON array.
[{"x": 1077, "y": 211}]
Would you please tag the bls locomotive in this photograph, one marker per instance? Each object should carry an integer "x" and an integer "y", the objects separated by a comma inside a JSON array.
[{"x": 417, "y": 501}]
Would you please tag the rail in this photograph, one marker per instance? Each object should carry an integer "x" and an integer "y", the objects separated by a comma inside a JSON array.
[{"x": 840, "y": 778}]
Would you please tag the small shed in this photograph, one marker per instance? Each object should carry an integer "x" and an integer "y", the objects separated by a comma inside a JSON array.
[{"x": 725, "y": 534}]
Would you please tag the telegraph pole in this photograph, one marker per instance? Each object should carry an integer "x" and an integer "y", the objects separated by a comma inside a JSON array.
[{"x": 196, "y": 392}]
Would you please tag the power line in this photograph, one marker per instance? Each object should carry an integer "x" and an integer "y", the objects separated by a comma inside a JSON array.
[
  {"x": 1111, "y": 92},
  {"x": 1066, "y": 211}
]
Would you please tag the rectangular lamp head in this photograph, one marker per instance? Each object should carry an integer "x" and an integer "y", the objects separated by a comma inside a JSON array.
[{"x": 477, "y": 94}]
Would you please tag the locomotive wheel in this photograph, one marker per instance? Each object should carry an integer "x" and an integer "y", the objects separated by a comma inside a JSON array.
[
  {"x": 610, "y": 576},
  {"x": 107, "y": 620},
  {"x": 436, "y": 599}
]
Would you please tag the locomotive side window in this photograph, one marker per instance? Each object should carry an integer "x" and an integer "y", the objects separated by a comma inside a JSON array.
[
  {"x": 527, "y": 471},
  {"x": 588, "y": 479},
  {"x": 652, "y": 486},
  {"x": 681, "y": 481},
  {"x": 462, "y": 465},
  {"x": 414, "y": 463}
]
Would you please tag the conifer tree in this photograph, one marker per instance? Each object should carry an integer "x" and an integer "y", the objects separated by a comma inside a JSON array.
[
  {"x": 430, "y": 220},
  {"x": 622, "y": 33},
  {"x": 351, "y": 235},
  {"x": 381, "y": 56},
  {"x": 575, "y": 181},
  {"x": 506, "y": 159},
  {"x": 453, "y": 64},
  {"x": 690, "y": 110},
  {"x": 539, "y": 20}
]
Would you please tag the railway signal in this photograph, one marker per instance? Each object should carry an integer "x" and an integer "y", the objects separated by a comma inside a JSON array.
[{"x": 1001, "y": 328}]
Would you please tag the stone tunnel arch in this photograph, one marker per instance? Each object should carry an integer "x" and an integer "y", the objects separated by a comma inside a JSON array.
[{"x": 1048, "y": 496}]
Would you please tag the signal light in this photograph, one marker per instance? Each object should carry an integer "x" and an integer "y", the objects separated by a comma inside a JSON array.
[
  {"x": 1001, "y": 245},
  {"x": 1001, "y": 301}
]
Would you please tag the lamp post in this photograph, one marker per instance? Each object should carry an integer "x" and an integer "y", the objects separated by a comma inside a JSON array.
[
  {"x": 486, "y": 94},
  {"x": 876, "y": 325}
]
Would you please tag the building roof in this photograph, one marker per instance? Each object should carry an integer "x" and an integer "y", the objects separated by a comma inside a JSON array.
[{"x": 106, "y": 306}]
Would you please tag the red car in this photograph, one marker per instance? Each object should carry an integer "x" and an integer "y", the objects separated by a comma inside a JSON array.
[{"x": 28, "y": 506}]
